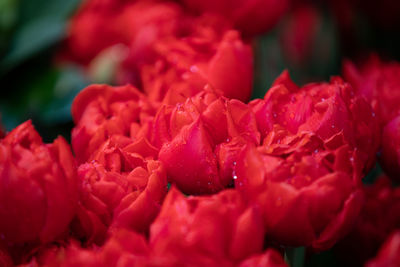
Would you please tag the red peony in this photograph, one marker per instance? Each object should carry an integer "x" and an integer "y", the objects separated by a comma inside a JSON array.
[
  {"x": 119, "y": 189},
  {"x": 200, "y": 139},
  {"x": 141, "y": 25},
  {"x": 99, "y": 25},
  {"x": 307, "y": 198},
  {"x": 379, "y": 83},
  {"x": 38, "y": 187},
  {"x": 123, "y": 249},
  {"x": 250, "y": 17},
  {"x": 155, "y": 46},
  {"x": 217, "y": 230},
  {"x": 206, "y": 54},
  {"x": 316, "y": 143},
  {"x": 330, "y": 111},
  {"x": 389, "y": 254},
  {"x": 89, "y": 24},
  {"x": 101, "y": 111}
]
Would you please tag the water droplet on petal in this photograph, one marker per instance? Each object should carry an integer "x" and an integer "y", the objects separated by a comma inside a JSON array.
[{"x": 194, "y": 68}]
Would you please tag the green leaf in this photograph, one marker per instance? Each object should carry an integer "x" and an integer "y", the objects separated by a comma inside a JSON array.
[
  {"x": 269, "y": 63},
  {"x": 295, "y": 256},
  {"x": 70, "y": 81},
  {"x": 31, "y": 39},
  {"x": 8, "y": 14},
  {"x": 55, "y": 9}
]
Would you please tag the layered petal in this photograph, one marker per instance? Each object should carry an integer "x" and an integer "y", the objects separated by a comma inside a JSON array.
[{"x": 38, "y": 187}]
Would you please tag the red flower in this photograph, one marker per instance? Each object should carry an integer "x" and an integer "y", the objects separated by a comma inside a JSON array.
[
  {"x": 119, "y": 189},
  {"x": 330, "y": 111},
  {"x": 251, "y": 17},
  {"x": 135, "y": 25},
  {"x": 38, "y": 187},
  {"x": 307, "y": 198},
  {"x": 214, "y": 230},
  {"x": 157, "y": 46},
  {"x": 141, "y": 25},
  {"x": 379, "y": 216},
  {"x": 379, "y": 83},
  {"x": 101, "y": 111},
  {"x": 217, "y": 230},
  {"x": 171, "y": 55},
  {"x": 89, "y": 24},
  {"x": 317, "y": 142},
  {"x": 200, "y": 139},
  {"x": 205, "y": 55},
  {"x": 389, "y": 254},
  {"x": 123, "y": 248}
]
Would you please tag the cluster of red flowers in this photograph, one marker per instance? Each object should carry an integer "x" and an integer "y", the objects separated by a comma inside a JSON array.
[
  {"x": 177, "y": 168},
  {"x": 168, "y": 52}
]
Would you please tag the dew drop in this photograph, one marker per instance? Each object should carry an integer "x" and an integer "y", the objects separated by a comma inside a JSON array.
[{"x": 194, "y": 68}]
